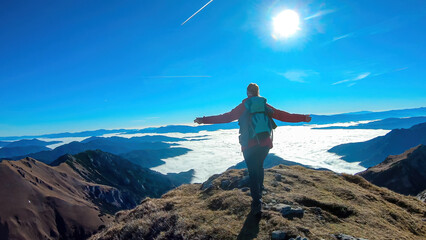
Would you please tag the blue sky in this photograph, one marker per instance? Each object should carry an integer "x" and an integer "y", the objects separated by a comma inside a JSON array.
[{"x": 80, "y": 65}]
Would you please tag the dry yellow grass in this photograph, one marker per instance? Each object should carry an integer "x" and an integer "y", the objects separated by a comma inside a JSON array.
[{"x": 333, "y": 204}]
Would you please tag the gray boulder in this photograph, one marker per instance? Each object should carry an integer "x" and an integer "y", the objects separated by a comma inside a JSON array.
[
  {"x": 288, "y": 212},
  {"x": 342, "y": 236},
  {"x": 422, "y": 196},
  {"x": 278, "y": 235},
  {"x": 298, "y": 238}
]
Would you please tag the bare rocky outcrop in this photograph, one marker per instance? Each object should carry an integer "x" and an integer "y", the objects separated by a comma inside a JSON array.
[{"x": 422, "y": 196}]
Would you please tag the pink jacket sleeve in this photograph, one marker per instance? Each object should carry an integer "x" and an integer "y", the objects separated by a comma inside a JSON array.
[
  {"x": 233, "y": 115},
  {"x": 287, "y": 117}
]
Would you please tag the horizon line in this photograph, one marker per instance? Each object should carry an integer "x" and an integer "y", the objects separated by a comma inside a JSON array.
[{"x": 178, "y": 124}]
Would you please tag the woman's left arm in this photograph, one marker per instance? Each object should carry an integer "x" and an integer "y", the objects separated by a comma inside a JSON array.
[{"x": 289, "y": 117}]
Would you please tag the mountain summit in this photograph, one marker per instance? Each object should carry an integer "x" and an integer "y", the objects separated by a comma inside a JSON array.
[{"x": 298, "y": 201}]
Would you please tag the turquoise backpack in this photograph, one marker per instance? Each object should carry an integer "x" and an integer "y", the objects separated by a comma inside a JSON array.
[{"x": 256, "y": 121}]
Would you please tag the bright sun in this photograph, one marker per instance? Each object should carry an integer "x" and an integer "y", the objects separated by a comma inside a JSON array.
[{"x": 286, "y": 23}]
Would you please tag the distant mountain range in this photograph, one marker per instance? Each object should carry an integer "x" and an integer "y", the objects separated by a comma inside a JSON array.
[
  {"x": 388, "y": 123},
  {"x": 24, "y": 147},
  {"x": 99, "y": 132},
  {"x": 372, "y": 152},
  {"x": 28, "y": 142},
  {"x": 404, "y": 173},
  {"x": 316, "y": 119},
  {"x": 73, "y": 199},
  {"x": 364, "y": 116},
  {"x": 7, "y": 152},
  {"x": 115, "y": 145}
]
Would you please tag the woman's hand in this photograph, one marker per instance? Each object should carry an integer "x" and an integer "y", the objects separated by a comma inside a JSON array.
[{"x": 198, "y": 120}]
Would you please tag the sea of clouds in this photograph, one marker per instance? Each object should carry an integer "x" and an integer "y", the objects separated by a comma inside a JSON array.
[{"x": 215, "y": 151}]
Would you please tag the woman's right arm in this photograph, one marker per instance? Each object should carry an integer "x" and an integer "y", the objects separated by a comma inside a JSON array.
[{"x": 233, "y": 115}]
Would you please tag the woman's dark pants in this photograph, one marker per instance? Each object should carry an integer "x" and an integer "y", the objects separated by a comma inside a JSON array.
[{"x": 254, "y": 158}]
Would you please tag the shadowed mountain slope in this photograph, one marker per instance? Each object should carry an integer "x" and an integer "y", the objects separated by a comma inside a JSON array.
[
  {"x": 372, "y": 152},
  {"x": 72, "y": 199},
  {"x": 41, "y": 202},
  {"x": 332, "y": 204},
  {"x": 108, "y": 169},
  {"x": 404, "y": 173}
]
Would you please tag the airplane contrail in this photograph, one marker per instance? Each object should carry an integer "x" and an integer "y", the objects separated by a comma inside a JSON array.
[{"x": 196, "y": 12}]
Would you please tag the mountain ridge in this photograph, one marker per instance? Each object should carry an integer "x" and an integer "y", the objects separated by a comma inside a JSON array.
[
  {"x": 404, "y": 173},
  {"x": 72, "y": 199},
  {"x": 374, "y": 151}
]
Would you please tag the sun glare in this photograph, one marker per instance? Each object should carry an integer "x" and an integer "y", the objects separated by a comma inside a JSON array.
[{"x": 285, "y": 24}]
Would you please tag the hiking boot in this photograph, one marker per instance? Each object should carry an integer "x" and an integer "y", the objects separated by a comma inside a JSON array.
[{"x": 264, "y": 190}]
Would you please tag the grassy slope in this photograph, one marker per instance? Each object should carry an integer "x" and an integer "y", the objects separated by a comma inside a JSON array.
[{"x": 333, "y": 204}]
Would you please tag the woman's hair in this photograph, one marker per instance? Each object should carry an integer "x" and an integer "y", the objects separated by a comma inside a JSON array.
[{"x": 253, "y": 89}]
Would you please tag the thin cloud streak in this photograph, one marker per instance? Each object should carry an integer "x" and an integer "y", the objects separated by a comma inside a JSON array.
[
  {"x": 362, "y": 76},
  {"x": 342, "y": 37},
  {"x": 320, "y": 14},
  {"x": 177, "y": 77},
  {"x": 298, "y": 75},
  {"x": 196, "y": 12},
  {"x": 390, "y": 71},
  {"x": 343, "y": 81},
  {"x": 353, "y": 80},
  {"x": 400, "y": 69},
  {"x": 385, "y": 26}
]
